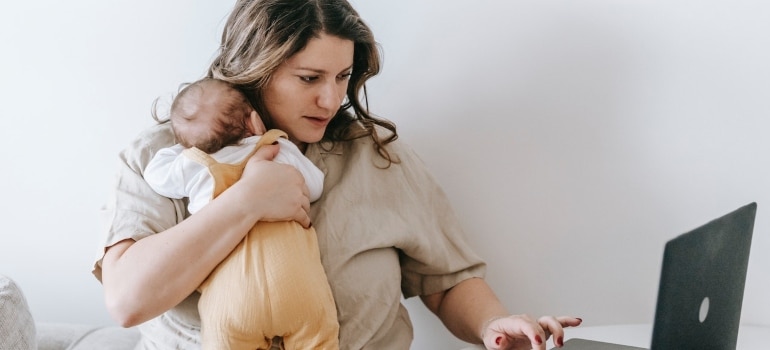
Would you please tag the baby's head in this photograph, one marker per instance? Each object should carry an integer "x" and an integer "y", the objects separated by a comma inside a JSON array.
[{"x": 210, "y": 114}]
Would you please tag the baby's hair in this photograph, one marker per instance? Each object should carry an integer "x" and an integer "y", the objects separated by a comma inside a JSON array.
[{"x": 226, "y": 131}]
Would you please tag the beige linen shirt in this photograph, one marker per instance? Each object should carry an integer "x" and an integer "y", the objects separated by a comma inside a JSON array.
[{"x": 383, "y": 233}]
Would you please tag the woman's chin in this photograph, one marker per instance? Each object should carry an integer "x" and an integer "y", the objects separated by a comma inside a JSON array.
[{"x": 311, "y": 137}]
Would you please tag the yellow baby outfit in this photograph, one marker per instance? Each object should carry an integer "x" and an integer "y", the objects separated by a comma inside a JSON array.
[{"x": 272, "y": 283}]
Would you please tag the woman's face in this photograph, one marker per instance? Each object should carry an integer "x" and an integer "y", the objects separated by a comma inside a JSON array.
[{"x": 306, "y": 90}]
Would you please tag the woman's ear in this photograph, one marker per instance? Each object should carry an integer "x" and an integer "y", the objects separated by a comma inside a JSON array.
[{"x": 255, "y": 124}]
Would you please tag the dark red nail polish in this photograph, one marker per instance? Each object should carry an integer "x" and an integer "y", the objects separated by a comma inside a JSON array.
[
  {"x": 560, "y": 341},
  {"x": 538, "y": 339},
  {"x": 498, "y": 340}
]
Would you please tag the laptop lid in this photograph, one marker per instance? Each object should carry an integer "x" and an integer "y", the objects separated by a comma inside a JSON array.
[
  {"x": 701, "y": 284},
  {"x": 700, "y": 294}
]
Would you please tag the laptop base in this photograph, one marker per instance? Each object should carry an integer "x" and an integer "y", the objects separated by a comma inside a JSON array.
[{"x": 585, "y": 344}]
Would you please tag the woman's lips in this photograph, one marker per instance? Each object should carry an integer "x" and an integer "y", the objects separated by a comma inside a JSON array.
[{"x": 318, "y": 121}]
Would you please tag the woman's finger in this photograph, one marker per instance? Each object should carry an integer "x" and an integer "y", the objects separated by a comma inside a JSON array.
[
  {"x": 554, "y": 326},
  {"x": 266, "y": 152},
  {"x": 304, "y": 215},
  {"x": 513, "y": 332}
]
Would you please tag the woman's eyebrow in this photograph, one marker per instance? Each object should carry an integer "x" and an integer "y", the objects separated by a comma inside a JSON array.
[{"x": 321, "y": 71}]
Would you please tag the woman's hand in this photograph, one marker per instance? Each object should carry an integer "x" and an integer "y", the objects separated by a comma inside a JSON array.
[
  {"x": 523, "y": 332},
  {"x": 276, "y": 191}
]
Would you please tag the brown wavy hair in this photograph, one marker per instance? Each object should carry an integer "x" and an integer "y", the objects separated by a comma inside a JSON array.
[{"x": 259, "y": 35}]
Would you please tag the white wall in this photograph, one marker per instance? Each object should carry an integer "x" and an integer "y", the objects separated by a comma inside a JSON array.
[
  {"x": 79, "y": 78},
  {"x": 574, "y": 138}
]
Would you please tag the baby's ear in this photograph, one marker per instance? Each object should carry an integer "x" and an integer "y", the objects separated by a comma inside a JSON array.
[{"x": 256, "y": 124}]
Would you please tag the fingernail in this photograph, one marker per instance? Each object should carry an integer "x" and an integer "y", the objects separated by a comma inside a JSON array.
[
  {"x": 538, "y": 339},
  {"x": 560, "y": 341},
  {"x": 579, "y": 319},
  {"x": 498, "y": 340}
]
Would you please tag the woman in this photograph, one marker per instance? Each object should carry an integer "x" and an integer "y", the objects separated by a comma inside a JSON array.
[{"x": 385, "y": 228}]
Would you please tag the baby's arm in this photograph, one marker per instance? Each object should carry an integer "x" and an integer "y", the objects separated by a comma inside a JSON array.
[{"x": 166, "y": 172}]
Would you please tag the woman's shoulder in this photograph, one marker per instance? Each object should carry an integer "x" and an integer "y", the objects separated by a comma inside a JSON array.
[
  {"x": 159, "y": 135},
  {"x": 396, "y": 146},
  {"x": 146, "y": 144},
  {"x": 363, "y": 151}
]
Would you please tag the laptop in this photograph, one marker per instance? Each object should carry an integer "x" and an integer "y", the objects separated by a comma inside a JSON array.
[{"x": 701, "y": 287}]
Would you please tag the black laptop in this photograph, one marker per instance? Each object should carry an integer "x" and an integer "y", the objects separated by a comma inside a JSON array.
[{"x": 701, "y": 287}]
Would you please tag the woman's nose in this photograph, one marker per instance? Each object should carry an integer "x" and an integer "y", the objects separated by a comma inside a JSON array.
[{"x": 330, "y": 96}]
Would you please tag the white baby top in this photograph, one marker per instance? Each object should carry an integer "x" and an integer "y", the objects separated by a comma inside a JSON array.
[{"x": 172, "y": 174}]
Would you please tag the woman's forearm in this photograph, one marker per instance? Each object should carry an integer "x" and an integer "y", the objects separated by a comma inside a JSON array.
[
  {"x": 466, "y": 307},
  {"x": 145, "y": 278}
]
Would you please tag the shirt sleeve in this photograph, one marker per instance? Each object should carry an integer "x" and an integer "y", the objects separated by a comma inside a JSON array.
[
  {"x": 133, "y": 210},
  {"x": 436, "y": 256}
]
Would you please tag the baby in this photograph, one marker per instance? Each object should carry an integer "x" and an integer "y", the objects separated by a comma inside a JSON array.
[{"x": 272, "y": 284}]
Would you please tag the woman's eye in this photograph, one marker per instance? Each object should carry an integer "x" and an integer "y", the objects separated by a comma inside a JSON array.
[
  {"x": 308, "y": 78},
  {"x": 345, "y": 76}
]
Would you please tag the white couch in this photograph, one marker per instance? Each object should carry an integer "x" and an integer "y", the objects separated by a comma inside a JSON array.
[
  {"x": 66, "y": 336},
  {"x": 18, "y": 331}
]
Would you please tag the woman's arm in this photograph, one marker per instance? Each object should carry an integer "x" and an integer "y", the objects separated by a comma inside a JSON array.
[
  {"x": 471, "y": 298},
  {"x": 473, "y": 313},
  {"x": 145, "y": 278}
]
